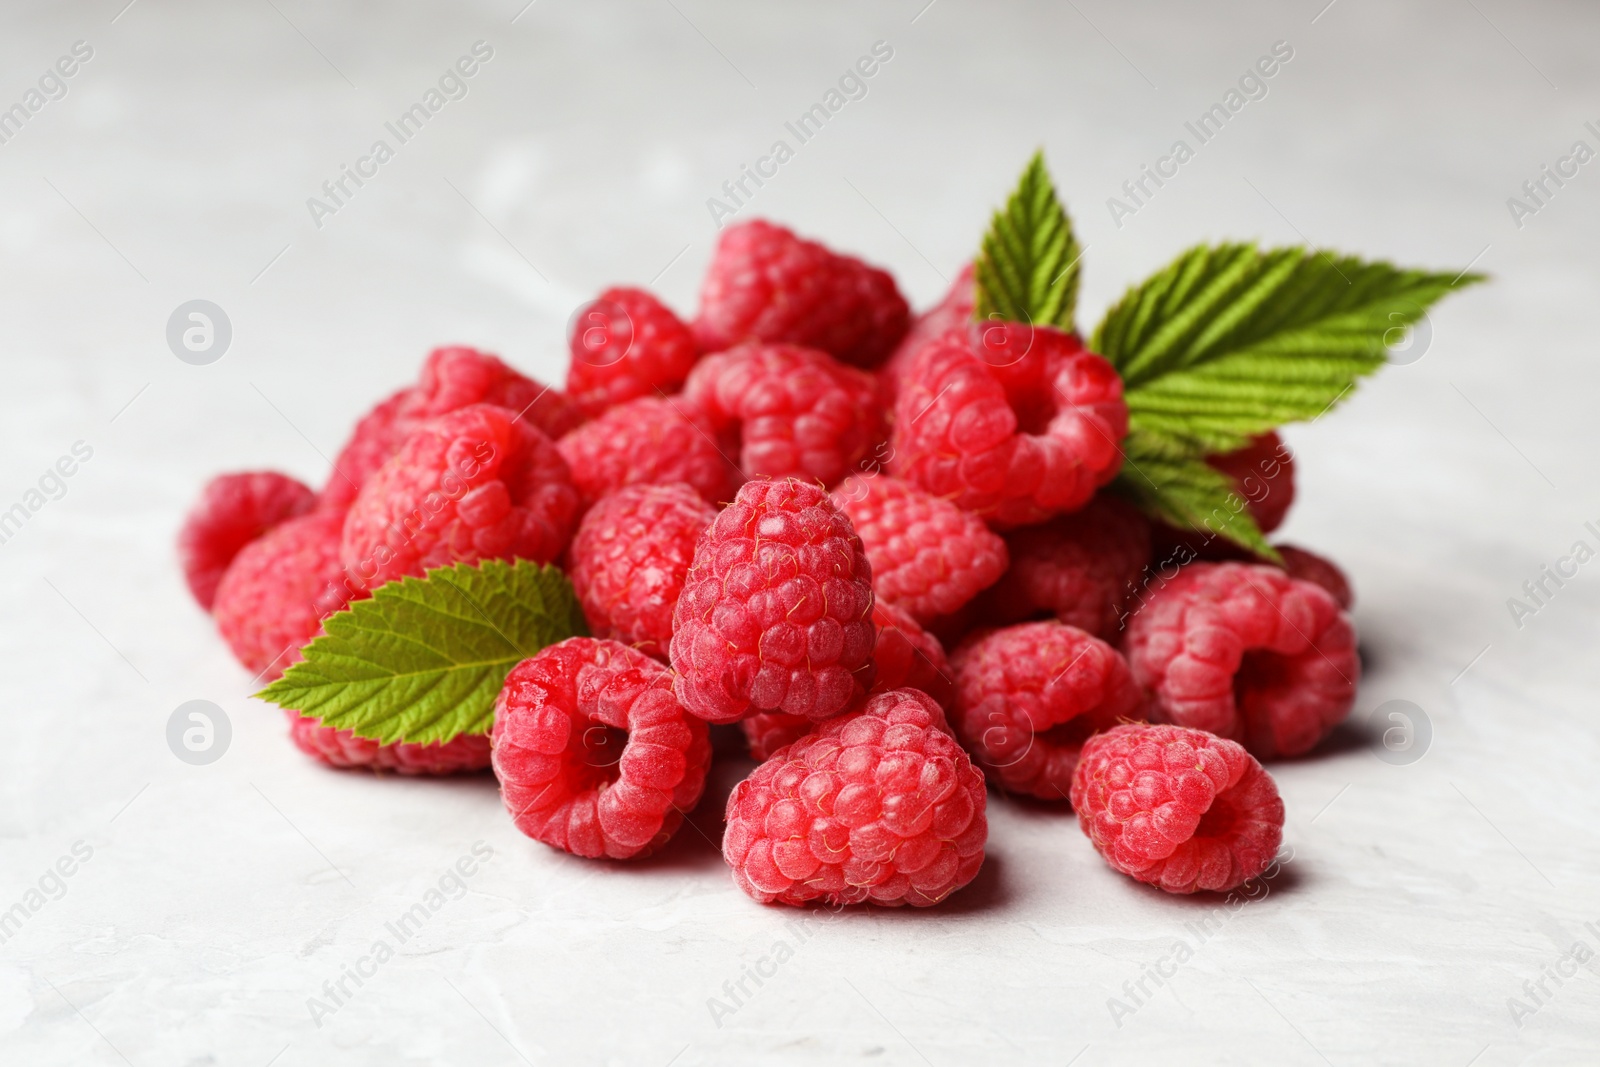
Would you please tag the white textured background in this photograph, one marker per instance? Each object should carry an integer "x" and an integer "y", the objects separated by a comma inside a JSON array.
[{"x": 219, "y": 898}]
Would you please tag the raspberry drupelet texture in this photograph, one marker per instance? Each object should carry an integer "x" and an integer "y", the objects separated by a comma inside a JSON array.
[
  {"x": 796, "y": 411},
  {"x": 955, "y": 309},
  {"x": 272, "y": 600},
  {"x": 630, "y": 557},
  {"x": 377, "y": 436},
  {"x": 904, "y": 656},
  {"x": 1014, "y": 423},
  {"x": 594, "y": 754},
  {"x": 1310, "y": 567},
  {"x": 928, "y": 556},
  {"x": 1182, "y": 810},
  {"x": 878, "y": 806},
  {"x": 344, "y": 750},
  {"x": 776, "y": 614},
  {"x": 1081, "y": 568},
  {"x": 650, "y": 440},
  {"x": 766, "y": 284},
  {"x": 233, "y": 510},
  {"x": 1248, "y": 653},
  {"x": 626, "y": 344},
  {"x": 1029, "y": 696},
  {"x": 474, "y": 484},
  {"x": 1262, "y": 473}
]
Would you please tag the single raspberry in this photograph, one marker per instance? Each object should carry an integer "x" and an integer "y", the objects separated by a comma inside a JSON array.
[
  {"x": 1081, "y": 568},
  {"x": 766, "y": 284},
  {"x": 928, "y": 556},
  {"x": 1012, "y": 422},
  {"x": 471, "y": 485},
  {"x": 629, "y": 559},
  {"x": 650, "y": 440},
  {"x": 878, "y": 806},
  {"x": 233, "y": 510},
  {"x": 1248, "y": 653},
  {"x": 594, "y": 754},
  {"x": 456, "y": 377},
  {"x": 798, "y": 411},
  {"x": 1310, "y": 567},
  {"x": 377, "y": 436},
  {"x": 626, "y": 344},
  {"x": 903, "y": 657},
  {"x": 955, "y": 309},
  {"x": 1263, "y": 473},
  {"x": 776, "y": 614},
  {"x": 1029, "y": 696},
  {"x": 343, "y": 749},
  {"x": 272, "y": 600},
  {"x": 1178, "y": 809}
]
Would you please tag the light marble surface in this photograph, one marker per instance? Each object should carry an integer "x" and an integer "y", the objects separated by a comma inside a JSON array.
[{"x": 217, "y": 899}]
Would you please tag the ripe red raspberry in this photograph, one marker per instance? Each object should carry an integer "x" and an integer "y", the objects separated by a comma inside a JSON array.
[
  {"x": 1081, "y": 568},
  {"x": 798, "y": 411},
  {"x": 377, "y": 436},
  {"x": 1178, "y": 809},
  {"x": 342, "y": 749},
  {"x": 878, "y": 806},
  {"x": 629, "y": 559},
  {"x": 455, "y": 377},
  {"x": 272, "y": 600},
  {"x": 471, "y": 485},
  {"x": 903, "y": 657},
  {"x": 1012, "y": 422},
  {"x": 650, "y": 440},
  {"x": 955, "y": 309},
  {"x": 776, "y": 614},
  {"x": 1263, "y": 473},
  {"x": 1029, "y": 696},
  {"x": 1310, "y": 567},
  {"x": 766, "y": 284},
  {"x": 626, "y": 344},
  {"x": 1248, "y": 653},
  {"x": 928, "y": 556},
  {"x": 233, "y": 510},
  {"x": 594, "y": 755}
]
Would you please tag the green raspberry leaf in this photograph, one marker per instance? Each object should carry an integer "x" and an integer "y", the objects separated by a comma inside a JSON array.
[
  {"x": 1183, "y": 491},
  {"x": 424, "y": 658},
  {"x": 1230, "y": 341},
  {"x": 1027, "y": 268}
]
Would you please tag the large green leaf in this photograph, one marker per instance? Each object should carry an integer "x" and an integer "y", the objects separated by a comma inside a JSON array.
[{"x": 1027, "y": 269}]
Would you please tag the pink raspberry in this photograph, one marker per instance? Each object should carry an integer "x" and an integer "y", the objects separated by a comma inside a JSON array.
[
  {"x": 630, "y": 557},
  {"x": 776, "y": 614},
  {"x": 594, "y": 755},
  {"x": 903, "y": 657},
  {"x": 1310, "y": 567},
  {"x": 878, "y": 806},
  {"x": 471, "y": 485},
  {"x": 1178, "y": 809},
  {"x": 765, "y": 284},
  {"x": 798, "y": 411},
  {"x": 1248, "y": 653},
  {"x": 342, "y": 749},
  {"x": 233, "y": 510},
  {"x": 955, "y": 309},
  {"x": 1080, "y": 568},
  {"x": 1029, "y": 696},
  {"x": 377, "y": 436},
  {"x": 272, "y": 600},
  {"x": 1263, "y": 473},
  {"x": 928, "y": 556},
  {"x": 1011, "y": 422},
  {"x": 652, "y": 441},
  {"x": 626, "y": 344}
]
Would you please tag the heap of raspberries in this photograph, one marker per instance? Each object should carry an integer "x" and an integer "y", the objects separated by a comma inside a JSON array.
[{"x": 883, "y": 545}]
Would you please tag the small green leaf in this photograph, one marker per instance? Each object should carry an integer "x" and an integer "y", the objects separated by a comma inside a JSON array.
[
  {"x": 1183, "y": 491},
  {"x": 1229, "y": 341},
  {"x": 1027, "y": 269},
  {"x": 424, "y": 658}
]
